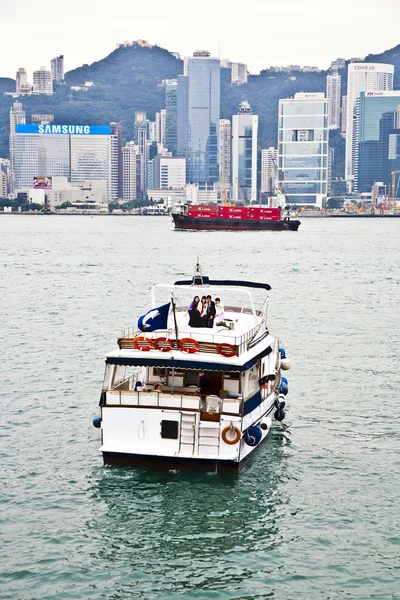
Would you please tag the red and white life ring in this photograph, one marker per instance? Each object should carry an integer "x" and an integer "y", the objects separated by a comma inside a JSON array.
[
  {"x": 227, "y": 350},
  {"x": 143, "y": 344},
  {"x": 189, "y": 345},
  {"x": 163, "y": 344},
  {"x": 231, "y": 435}
]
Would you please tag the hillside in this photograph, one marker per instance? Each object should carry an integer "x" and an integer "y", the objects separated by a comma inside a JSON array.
[{"x": 128, "y": 79}]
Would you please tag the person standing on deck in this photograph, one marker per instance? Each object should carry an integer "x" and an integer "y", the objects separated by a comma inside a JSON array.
[{"x": 210, "y": 312}]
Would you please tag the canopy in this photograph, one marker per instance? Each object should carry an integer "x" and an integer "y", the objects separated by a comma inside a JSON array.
[
  {"x": 197, "y": 365},
  {"x": 198, "y": 281}
]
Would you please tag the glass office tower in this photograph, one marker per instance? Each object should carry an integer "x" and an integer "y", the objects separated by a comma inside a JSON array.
[
  {"x": 198, "y": 117},
  {"x": 79, "y": 157},
  {"x": 171, "y": 93},
  {"x": 37, "y": 155},
  {"x": 376, "y": 138},
  {"x": 303, "y": 148},
  {"x": 244, "y": 154}
]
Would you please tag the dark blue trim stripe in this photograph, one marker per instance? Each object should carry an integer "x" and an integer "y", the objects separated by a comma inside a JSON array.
[
  {"x": 258, "y": 340},
  {"x": 164, "y": 362},
  {"x": 252, "y": 403}
]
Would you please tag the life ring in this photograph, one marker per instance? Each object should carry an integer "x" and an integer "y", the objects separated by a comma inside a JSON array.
[
  {"x": 227, "y": 350},
  {"x": 189, "y": 345},
  {"x": 143, "y": 344},
  {"x": 231, "y": 431},
  {"x": 163, "y": 344}
]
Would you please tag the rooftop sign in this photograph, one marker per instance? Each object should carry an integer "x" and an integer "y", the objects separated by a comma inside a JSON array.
[{"x": 64, "y": 129}]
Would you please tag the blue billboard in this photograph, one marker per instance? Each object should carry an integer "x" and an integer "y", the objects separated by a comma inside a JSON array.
[{"x": 64, "y": 129}]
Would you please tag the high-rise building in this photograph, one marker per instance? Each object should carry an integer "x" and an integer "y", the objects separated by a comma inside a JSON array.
[
  {"x": 362, "y": 77},
  {"x": 171, "y": 114},
  {"x": 129, "y": 171},
  {"x": 144, "y": 156},
  {"x": 17, "y": 116},
  {"x": 42, "y": 118},
  {"x": 198, "y": 117},
  {"x": 238, "y": 73},
  {"x": 333, "y": 86},
  {"x": 244, "y": 154},
  {"x": 3, "y": 184},
  {"x": 344, "y": 117},
  {"x": 269, "y": 170},
  {"x": 42, "y": 81},
  {"x": 169, "y": 173},
  {"x": 376, "y": 151},
  {"x": 7, "y": 177},
  {"x": 21, "y": 81},
  {"x": 140, "y": 119},
  {"x": 339, "y": 63},
  {"x": 331, "y": 160},
  {"x": 225, "y": 145},
  {"x": 163, "y": 127},
  {"x": 303, "y": 148},
  {"x": 57, "y": 68},
  {"x": 182, "y": 129},
  {"x": 78, "y": 152},
  {"x": 116, "y": 129}
]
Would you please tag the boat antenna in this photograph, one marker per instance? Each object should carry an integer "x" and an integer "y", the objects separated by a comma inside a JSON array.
[
  {"x": 198, "y": 277},
  {"x": 175, "y": 322}
]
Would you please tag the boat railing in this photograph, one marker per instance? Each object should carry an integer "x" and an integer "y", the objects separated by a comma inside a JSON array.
[
  {"x": 210, "y": 345},
  {"x": 181, "y": 398}
]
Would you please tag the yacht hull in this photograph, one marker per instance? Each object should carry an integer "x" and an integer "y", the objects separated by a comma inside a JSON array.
[{"x": 179, "y": 463}]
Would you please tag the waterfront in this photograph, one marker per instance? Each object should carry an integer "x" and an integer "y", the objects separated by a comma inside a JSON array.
[{"x": 313, "y": 516}]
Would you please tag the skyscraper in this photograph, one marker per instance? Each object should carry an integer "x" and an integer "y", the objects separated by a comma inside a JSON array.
[
  {"x": 244, "y": 154},
  {"x": 303, "y": 148},
  {"x": 17, "y": 116},
  {"x": 238, "y": 73},
  {"x": 140, "y": 119},
  {"x": 42, "y": 81},
  {"x": 269, "y": 170},
  {"x": 57, "y": 68},
  {"x": 129, "y": 171},
  {"x": 171, "y": 114},
  {"x": 198, "y": 117},
  {"x": 225, "y": 144},
  {"x": 116, "y": 129},
  {"x": 333, "y": 85},
  {"x": 78, "y": 152},
  {"x": 375, "y": 139},
  {"x": 144, "y": 156},
  {"x": 21, "y": 81},
  {"x": 344, "y": 117},
  {"x": 362, "y": 77}
]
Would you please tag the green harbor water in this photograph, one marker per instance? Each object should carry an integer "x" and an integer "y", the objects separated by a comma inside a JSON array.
[{"x": 314, "y": 515}]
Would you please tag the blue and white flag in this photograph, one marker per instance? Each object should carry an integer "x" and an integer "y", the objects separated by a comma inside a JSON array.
[{"x": 156, "y": 318}]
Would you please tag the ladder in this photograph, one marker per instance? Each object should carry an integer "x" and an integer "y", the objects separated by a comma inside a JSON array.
[
  {"x": 187, "y": 438},
  {"x": 209, "y": 438}
]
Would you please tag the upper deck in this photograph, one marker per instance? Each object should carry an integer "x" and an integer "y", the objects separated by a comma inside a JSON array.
[{"x": 241, "y": 329}]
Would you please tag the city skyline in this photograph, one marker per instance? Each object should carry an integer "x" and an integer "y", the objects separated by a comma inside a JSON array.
[{"x": 167, "y": 25}]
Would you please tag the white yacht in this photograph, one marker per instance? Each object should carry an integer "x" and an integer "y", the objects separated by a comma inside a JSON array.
[{"x": 193, "y": 397}]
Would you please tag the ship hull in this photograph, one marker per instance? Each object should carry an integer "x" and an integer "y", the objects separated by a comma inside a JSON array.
[
  {"x": 210, "y": 224},
  {"x": 162, "y": 463}
]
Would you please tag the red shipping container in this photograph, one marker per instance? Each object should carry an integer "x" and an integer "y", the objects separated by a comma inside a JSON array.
[{"x": 234, "y": 212}]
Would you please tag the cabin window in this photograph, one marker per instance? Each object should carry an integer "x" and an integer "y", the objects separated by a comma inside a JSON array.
[{"x": 169, "y": 430}]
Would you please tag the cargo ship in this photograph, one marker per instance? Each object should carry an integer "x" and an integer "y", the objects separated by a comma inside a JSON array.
[{"x": 231, "y": 218}]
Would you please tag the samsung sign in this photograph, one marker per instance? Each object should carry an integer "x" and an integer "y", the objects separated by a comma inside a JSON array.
[{"x": 65, "y": 129}]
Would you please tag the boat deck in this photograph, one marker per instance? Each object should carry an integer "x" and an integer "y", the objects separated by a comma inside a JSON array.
[{"x": 238, "y": 328}]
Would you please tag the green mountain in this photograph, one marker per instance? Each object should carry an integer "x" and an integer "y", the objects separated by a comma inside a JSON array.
[{"x": 128, "y": 79}]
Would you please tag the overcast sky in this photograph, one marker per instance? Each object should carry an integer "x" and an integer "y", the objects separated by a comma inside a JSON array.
[{"x": 257, "y": 32}]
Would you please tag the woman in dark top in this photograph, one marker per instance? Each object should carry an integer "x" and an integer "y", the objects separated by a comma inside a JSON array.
[{"x": 194, "y": 313}]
